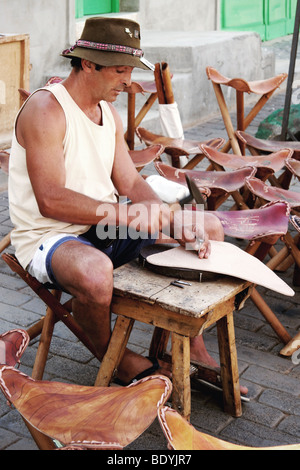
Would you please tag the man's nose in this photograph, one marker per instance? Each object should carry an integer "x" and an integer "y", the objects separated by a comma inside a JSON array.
[{"x": 127, "y": 79}]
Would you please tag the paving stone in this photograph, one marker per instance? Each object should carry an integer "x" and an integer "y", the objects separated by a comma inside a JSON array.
[
  {"x": 255, "y": 435},
  {"x": 7, "y": 438},
  {"x": 291, "y": 425},
  {"x": 286, "y": 402},
  {"x": 272, "y": 379}
]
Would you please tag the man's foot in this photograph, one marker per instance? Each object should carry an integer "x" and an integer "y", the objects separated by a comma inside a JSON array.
[
  {"x": 134, "y": 367},
  {"x": 199, "y": 354}
]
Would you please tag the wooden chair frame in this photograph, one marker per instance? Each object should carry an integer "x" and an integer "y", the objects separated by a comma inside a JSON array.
[{"x": 266, "y": 88}]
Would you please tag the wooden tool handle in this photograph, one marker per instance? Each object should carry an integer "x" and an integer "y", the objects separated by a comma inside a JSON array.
[
  {"x": 166, "y": 78},
  {"x": 159, "y": 84}
]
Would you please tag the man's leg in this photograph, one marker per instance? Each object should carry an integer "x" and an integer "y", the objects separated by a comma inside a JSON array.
[
  {"x": 87, "y": 274},
  {"x": 199, "y": 353}
]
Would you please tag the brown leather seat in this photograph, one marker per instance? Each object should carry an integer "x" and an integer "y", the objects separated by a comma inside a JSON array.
[
  {"x": 86, "y": 417},
  {"x": 260, "y": 87},
  {"x": 265, "y": 165},
  {"x": 216, "y": 181},
  {"x": 141, "y": 87},
  {"x": 268, "y": 146},
  {"x": 256, "y": 224},
  {"x": 271, "y": 193},
  {"x": 12, "y": 346},
  {"x": 293, "y": 166},
  {"x": 178, "y": 147},
  {"x": 145, "y": 156},
  {"x": 182, "y": 435}
]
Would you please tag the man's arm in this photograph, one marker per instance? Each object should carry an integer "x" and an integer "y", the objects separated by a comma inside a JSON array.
[
  {"x": 40, "y": 130},
  {"x": 171, "y": 220}
]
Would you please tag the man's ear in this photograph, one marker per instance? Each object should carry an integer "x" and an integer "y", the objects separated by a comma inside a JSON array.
[{"x": 87, "y": 65}]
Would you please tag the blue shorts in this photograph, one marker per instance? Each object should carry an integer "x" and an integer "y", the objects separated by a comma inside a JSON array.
[{"x": 120, "y": 251}]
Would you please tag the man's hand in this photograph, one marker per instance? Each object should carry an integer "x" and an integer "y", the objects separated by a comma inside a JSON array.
[{"x": 189, "y": 231}]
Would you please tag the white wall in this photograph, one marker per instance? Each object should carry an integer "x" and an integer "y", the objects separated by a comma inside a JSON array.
[
  {"x": 51, "y": 26},
  {"x": 179, "y": 15}
]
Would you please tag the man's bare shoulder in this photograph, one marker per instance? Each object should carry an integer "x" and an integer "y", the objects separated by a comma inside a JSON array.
[
  {"x": 41, "y": 112},
  {"x": 42, "y": 101}
]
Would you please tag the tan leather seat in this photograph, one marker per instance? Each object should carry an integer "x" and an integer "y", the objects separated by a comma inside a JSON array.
[
  {"x": 86, "y": 417},
  {"x": 182, "y": 435}
]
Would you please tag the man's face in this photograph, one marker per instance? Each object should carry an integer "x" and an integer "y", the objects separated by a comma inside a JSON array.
[{"x": 111, "y": 81}]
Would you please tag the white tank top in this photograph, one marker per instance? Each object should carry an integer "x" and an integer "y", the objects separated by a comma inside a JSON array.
[{"x": 89, "y": 156}]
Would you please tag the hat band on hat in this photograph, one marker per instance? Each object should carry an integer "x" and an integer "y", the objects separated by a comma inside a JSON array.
[{"x": 105, "y": 47}]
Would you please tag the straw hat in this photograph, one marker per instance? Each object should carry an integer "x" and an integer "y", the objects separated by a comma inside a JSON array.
[{"x": 110, "y": 42}]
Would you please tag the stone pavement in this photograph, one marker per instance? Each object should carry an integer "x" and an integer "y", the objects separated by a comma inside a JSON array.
[{"x": 271, "y": 417}]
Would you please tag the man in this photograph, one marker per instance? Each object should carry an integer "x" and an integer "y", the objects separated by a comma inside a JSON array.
[{"x": 68, "y": 160}]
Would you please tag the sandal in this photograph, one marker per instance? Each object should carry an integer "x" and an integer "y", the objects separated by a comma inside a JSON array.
[{"x": 155, "y": 366}]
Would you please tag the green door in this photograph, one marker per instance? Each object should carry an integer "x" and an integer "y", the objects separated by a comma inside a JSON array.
[
  {"x": 96, "y": 7},
  {"x": 276, "y": 18},
  {"x": 243, "y": 15},
  {"x": 269, "y": 18}
]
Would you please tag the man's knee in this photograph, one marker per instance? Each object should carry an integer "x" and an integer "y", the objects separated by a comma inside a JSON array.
[
  {"x": 85, "y": 272},
  {"x": 95, "y": 281}
]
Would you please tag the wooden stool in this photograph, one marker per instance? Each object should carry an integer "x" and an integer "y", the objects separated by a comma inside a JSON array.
[
  {"x": 181, "y": 435},
  {"x": 184, "y": 313},
  {"x": 145, "y": 156},
  {"x": 56, "y": 311},
  {"x": 263, "y": 147},
  {"x": 266, "y": 88},
  {"x": 133, "y": 121},
  {"x": 221, "y": 184},
  {"x": 75, "y": 417},
  {"x": 4, "y": 162},
  {"x": 178, "y": 147}
]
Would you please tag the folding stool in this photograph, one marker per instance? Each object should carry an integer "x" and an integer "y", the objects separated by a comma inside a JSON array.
[
  {"x": 221, "y": 184},
  {"x": 263, "y": 147},
  {"x": 265, "y": 88},
  {"x": 266, "y": 166},
  {"x": 181, "y": 435},
  {"x": 178, "y": 147},
  {"x": 78, "y": 417},
  {"x": 4, "y": 162},
  {"x": 262, "y": 227}
]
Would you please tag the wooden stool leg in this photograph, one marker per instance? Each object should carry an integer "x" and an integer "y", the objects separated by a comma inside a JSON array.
[
  {"x": 227, "y": 120},
  {"x": 44, "y": 345},
  {"x": 240, "y": 114},
  {"x": 269, "y": 315},
  {"x": 42, "y": 441},
  {"x": 229, "y": 366},
  {"x": 159, "y": 342},
  {"x": 130, "y": 120},
  {"x": 45, "y": 340},
  {"x": 181, "y": 396},
  {"x": 115, "y": 351}
]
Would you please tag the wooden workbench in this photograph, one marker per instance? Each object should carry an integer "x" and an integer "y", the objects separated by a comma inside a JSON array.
[{"x": 149, "y": 298}]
